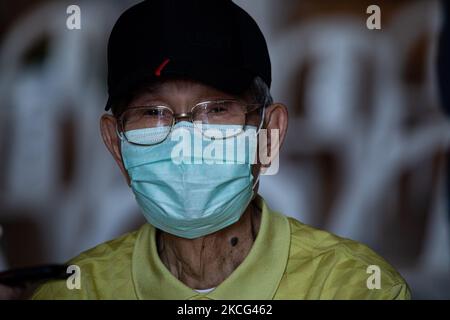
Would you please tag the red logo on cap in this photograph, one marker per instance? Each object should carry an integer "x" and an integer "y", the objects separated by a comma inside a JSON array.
[{"x": 161, "y": 67}]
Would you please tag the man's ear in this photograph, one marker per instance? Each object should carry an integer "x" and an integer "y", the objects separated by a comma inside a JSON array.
[
  {"x": 108, "y": 126},
  {"x": 275, "y": 125}
]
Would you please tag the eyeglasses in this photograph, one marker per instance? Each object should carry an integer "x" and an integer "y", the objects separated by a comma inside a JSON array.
[{"x": 149, "y": 125}]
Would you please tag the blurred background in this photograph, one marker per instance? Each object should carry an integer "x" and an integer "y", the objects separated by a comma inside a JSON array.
[{"x": 366, "y": 154}]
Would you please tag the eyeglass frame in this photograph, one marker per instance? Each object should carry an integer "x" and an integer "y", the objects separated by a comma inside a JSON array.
[{"x": 189, "y": 115}]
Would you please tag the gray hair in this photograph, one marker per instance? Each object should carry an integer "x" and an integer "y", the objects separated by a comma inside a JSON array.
[{"x": 260, "y": 92}]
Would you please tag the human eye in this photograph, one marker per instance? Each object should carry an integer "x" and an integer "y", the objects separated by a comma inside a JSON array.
[
  {"x": 220, "y": 107},
  {"x": 217, "y": 109},
  {"x": 152, "y": 112}
]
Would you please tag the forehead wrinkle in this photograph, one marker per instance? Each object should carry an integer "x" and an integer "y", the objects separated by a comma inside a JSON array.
[
  {"x": 193, "y": 90},
  {"x": 170, "y": 86}
]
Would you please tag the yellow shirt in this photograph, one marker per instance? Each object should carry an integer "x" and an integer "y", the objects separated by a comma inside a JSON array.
[{"x": 288, "y": 260}]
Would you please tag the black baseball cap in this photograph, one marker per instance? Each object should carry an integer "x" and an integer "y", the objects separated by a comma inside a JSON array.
[{"x": 211, "y": 41}]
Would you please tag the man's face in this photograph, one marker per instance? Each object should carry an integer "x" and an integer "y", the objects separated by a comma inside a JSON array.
[{"x": 180, "y": 96}]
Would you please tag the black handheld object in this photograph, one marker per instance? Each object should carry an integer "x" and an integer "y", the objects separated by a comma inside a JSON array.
[{"x": 21, "y": 277}]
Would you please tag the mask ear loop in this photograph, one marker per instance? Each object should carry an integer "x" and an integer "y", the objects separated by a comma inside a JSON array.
[
  {"x": 257, "y": 133},
  {"x": 262, "y": 119},
  {"x": 119, "y": 134},
  {"x": 256, "y": 182}
]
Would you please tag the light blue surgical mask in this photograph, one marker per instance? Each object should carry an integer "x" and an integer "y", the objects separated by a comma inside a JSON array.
[{"x": 192, "y": 192}]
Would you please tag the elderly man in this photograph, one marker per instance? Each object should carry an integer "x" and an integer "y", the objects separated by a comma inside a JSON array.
[{"x": 199, "y": 71}]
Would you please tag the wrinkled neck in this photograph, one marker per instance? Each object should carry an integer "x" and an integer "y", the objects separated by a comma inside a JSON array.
[{"x": 207, "y": 261}]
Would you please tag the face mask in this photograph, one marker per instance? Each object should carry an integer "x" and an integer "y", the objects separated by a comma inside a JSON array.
[{"x": 187, "y": 190}]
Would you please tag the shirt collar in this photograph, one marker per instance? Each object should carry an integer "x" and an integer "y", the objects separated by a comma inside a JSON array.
[{"x": 257, "y": 277}]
